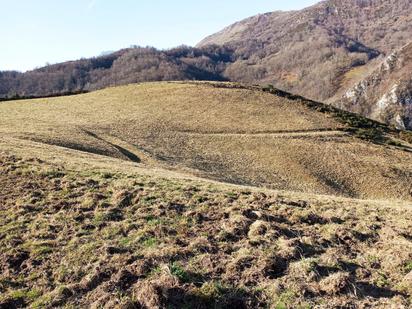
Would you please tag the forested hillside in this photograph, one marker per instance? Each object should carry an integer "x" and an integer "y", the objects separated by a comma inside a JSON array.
[
  {"x": 123, "y": 67},
  {"x": 313, "y": 51}
]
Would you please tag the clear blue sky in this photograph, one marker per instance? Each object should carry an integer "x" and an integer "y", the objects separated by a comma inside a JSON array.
[{"x": 34, "y": 32}]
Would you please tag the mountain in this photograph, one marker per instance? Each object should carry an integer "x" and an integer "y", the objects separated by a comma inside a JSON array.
[
  {"x": 226, "y": 132},
  {"x": 385, "y": 94},
  {"x": 322, "y": 52},
  {"x": 123, "y": 67},
  {"x": 115, "y": 199},
  {"x": 314, "y": 51}
]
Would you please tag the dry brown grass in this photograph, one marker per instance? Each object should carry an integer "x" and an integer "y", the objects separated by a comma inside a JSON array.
[
  {"x": 218, "y": 131},
  {"x": 93, "y": 231}
]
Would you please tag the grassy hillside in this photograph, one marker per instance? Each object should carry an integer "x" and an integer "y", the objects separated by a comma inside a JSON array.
[
  {"x": 102, "y": 206},
  {"x": 224, "y": 132},
  {"x": 103, "y": 233}
]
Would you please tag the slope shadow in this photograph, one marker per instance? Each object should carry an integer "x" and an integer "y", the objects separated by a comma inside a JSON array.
[
  {"x": 131, "y": 156},
  {"x": 369, "y": 290}
]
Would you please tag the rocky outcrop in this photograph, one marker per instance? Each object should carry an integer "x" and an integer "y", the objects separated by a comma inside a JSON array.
[{"x": 386, "y": 94}]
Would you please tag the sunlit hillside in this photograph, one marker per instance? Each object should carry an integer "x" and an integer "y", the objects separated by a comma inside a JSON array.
[{"x": 224, "y": 132}]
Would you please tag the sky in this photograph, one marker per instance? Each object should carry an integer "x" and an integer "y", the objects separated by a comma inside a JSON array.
[{"x": 36, "y": 32}]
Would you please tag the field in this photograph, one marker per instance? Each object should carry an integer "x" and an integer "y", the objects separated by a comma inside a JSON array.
[
  {"x": 201, "y": 195},
  {"x": 102, "y": 232},
  {"x": 223, "y": 132}
]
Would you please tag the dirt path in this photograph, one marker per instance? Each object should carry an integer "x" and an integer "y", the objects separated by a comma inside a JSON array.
[{"x": 275, "y": 134}]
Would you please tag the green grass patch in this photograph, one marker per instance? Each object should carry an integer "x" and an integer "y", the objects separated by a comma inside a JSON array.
[
  {"x": 149, "y": 242},
  {"x": 23, "y": 294},
  {"x": 408, "y": 267},
  {"x": 285, "y": 300},
  {"x": 42, "y": 250},
  {"x": 177, "y": 270},
  {"x": 152, "y": 221}
]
